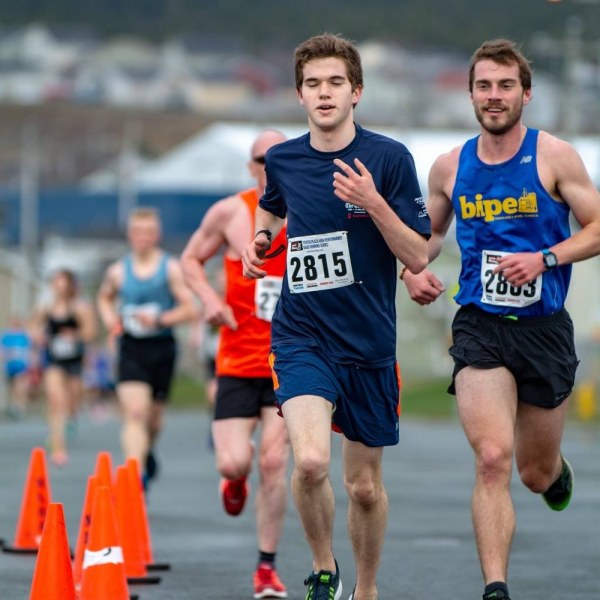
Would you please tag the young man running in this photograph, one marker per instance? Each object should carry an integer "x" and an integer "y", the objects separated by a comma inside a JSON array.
[
  {"x": 244, "y": 386},
  {"x": 353, "y": 206},
  {"x": 512, "y": 189},
  {"x": 143, "y": 296}
]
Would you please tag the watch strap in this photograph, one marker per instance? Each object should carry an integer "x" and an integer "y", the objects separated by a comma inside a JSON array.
[
  {"x": 548, "y": 262},
  {"x": 267, "y": 233}
]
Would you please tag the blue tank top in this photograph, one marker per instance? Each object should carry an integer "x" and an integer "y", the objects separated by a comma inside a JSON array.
[
  {"x": 501, "y": 209},
  {"x": 339, "y": 289},
  {"x": 151, "y": 294}
]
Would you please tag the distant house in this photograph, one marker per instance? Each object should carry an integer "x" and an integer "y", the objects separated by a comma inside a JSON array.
[
  {"x": 24, "y": 84},
  {"x": 36, "y": 62},
  {"x": 125, "y": 73}
]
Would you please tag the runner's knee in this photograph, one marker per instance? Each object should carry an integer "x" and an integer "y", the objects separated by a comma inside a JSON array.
[
  {"x": 137, "y": 416},
  {"x": 232, "y": 467},
  {"x": 311, "y": 467},
  {"x": 537, "y": 478},
  {"x": 364, "y": 491},
  {"x": 493, "y": 463},
  {"x": 272, "y": 465}
]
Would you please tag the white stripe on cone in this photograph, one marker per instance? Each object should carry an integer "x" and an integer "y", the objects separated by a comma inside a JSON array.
[{"x": 93, "y": 558}]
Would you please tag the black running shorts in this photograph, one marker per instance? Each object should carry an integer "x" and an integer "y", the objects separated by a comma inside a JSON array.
[
  {"x": 72, "y": 367},
  {"x": 243, "y": 397},
  {"x": 150, "y": 360},
  {"x": 538, "y": 351}
]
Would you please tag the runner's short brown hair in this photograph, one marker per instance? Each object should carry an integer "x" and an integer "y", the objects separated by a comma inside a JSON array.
[
  {"x": 503, "y": 52},
  {"x": 326, "y": 46}
]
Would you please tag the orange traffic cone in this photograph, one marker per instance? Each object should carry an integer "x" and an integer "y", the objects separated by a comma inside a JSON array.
[
  {"x": 139, "y": 513},
  {"x": 53, "y": 576},
  {"x": 103, "y": 574},
  {"x": 104, "y": 469},
  {"x": 84, "y": 528},
  {"x": 131, "y": 536},
  {"x": 36, "y": 496}
]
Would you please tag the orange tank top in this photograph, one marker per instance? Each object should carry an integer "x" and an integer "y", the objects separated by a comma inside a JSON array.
[{"x": 245, "y": 352}]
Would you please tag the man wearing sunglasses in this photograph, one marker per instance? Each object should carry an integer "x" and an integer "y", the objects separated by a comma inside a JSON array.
[{"x": 244, "y": 385}]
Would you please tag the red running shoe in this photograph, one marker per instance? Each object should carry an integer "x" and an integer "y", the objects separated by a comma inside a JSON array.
[
  {"x": 267, "y": 584},
  {"x": 233, "y": 495}
]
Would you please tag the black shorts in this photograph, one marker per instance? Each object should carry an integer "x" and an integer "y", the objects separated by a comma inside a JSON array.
[
  {"x": 243, "y": 397},
  {"x": 538, "y": 351},
  {"x": 150, "y": 360},
  {"x": 72, "y": 367}
]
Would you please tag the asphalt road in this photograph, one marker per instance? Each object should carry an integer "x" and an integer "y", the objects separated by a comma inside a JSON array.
[{"x": 429, "y": 550}]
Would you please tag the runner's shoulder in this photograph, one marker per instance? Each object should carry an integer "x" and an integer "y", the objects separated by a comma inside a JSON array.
[
  {"x": 287, "y": 150},
  {"x": 383, "y": 142},
  {"x": 115, "y": 272},
  {"x": 222, "y": 211},
  {"x": 552, "y": 148},
  {"x": 447, "y": 162}
]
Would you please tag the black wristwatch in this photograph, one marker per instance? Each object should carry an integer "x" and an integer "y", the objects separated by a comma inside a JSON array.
[
  {"x": 550, "y": 260},
  {"x": 267, "y": 233}
]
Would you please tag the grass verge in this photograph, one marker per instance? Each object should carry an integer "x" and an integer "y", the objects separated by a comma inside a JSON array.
[
  {"x": 427, "y": 398},
  {"x": 422, "y": 398}
]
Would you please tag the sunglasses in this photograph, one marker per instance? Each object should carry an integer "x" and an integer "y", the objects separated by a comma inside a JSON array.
[{"x": 259, "y": 159}]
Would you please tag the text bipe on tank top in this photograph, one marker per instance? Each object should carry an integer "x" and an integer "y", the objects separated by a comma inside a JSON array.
[
  {"x": 245, "y": 351},
  {"x": 150, "y": 295},
  {"x": 502, "y": 209}
]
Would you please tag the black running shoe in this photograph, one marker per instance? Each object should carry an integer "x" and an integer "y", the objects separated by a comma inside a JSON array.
[
  {"x": 495, "y": 595},
  {"x": 558, "y": 495},
  {"x": 151, "y": 465},
  {"x": 324, "y": 585}
]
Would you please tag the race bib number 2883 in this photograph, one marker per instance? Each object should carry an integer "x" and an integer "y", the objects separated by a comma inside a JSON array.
[
  {"x": 498, "y": 291},
  {"x": 319, "y": 262}
]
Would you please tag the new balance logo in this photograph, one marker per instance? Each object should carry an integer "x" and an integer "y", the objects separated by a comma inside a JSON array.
[{"x": 526, "y": 159}]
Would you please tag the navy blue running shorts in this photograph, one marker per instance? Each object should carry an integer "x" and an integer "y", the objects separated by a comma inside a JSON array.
[
  {"x": 366, "y": 401},
  {"x": 538, "y": 351}
]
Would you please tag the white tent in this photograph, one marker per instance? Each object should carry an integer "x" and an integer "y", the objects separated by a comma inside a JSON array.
[{"x": 216, "y": 159}]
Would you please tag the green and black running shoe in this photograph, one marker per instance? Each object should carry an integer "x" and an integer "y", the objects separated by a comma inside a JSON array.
[
  {"x": 324, "y": 585},
  {"x": 558, "y": 495},
  {"x": 495, "y": 595}
]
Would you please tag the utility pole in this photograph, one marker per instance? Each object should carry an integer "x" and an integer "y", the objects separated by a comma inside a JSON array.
[
  {"x": 573, "y": 49},
  {"x": 573, "y": 52},
  {"x": 127, "y": 178},
  {"x": 29, "y": 214}
]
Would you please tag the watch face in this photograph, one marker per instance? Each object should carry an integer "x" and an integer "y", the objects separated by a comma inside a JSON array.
[{"x": 550, "y": 260}]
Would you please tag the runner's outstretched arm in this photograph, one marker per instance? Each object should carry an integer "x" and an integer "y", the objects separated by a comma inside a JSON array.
[
  {"x": 205, "y": 243},
  {"x": 425, "y": 287}
]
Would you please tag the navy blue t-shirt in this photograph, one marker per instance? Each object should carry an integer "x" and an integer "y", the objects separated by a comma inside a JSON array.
[{"x": 356, "y": 323}]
